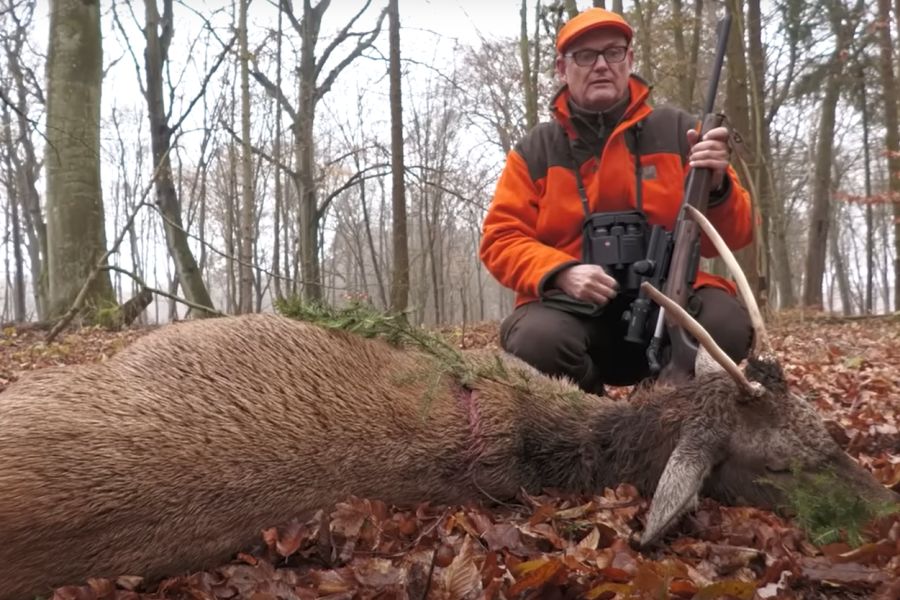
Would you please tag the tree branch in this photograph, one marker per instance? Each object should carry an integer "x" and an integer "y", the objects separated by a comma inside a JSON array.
[
  {"x": 257, "y": 151},
  {"x": 206, "y": 81},
  {"x": 353, "y": 180},
  {"x": 342, "y": 35},
  {"x": 163, "y": 293},
  {"x": 275, "y": 92},
  {"x": 361, "y": 45}
]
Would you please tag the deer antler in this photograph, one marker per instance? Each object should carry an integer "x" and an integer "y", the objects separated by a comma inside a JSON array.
[
  {"x": 689, "y": 324},
  {"x": 760, "y": 337}
]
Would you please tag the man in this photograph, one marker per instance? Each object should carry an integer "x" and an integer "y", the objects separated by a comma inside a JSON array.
[{"x": 607, "y": 152}]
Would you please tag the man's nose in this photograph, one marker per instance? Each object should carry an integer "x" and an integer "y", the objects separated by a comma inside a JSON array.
[{"x": 600, "y": 64}]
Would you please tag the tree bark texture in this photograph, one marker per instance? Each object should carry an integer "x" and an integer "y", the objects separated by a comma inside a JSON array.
[
  {"x": 841, "y": 276},
  {"x": 817, "y": 241},
  {"x": 531, "y": 92},
  {"x": 892, "y": 131},
  {"x": 737, "y": 102},
  {"x": 821, "y": 197},
  {"x": 771, "y": 209},
  {"x": 685, "y": 89},
  {"x": 248, "y": 208},
  {"x": 158, "y": 35},
  {"x": 27, "y": 169},
  {"x": 279, "y": 191},
  {"x": 645, "y": 11},
  {"x": 75, "y": 221},
  {"x": 304, "y": 150},
  {"x": 870, "y": 217},
  {"x": 14, "y": 222},
  {"x": 762, "y": 149},
  {"x": 400, "y": 276}
]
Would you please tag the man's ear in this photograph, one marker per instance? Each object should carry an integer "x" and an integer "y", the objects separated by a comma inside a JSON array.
[
  {"x": 630, "y": 58},
  {"x": 561, "y": 67}
]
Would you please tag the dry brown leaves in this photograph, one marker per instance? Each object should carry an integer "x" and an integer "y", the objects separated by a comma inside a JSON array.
[
  {"x": 564, "y": 546},
  {"x": 24, "y": 350}
]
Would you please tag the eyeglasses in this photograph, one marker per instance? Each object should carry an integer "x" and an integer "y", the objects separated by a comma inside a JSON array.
[{"x": 588, "y": 56}]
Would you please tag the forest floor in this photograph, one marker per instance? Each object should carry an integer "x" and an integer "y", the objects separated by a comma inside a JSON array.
[{"x": 564, "y": 546}]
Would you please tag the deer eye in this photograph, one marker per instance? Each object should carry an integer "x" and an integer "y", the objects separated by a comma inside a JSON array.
[{"x": 775, "y": 466}]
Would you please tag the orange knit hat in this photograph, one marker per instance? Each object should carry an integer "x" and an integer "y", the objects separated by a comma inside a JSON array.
[{"x": 592, "y": 18}]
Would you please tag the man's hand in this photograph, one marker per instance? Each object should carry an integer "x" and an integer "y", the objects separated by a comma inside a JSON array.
[
  {"x": 587, "y": 282},
  {"x": 712, "y": 152}
]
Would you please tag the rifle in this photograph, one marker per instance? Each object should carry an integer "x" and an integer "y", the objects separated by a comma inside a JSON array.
[{"x": 685, "y": 250}]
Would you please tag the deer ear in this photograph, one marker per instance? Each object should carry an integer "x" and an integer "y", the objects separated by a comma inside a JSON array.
[{"x": 678, "y": 487}]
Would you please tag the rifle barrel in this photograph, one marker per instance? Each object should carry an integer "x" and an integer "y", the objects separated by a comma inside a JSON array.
[{"x": 722, "y": 31}]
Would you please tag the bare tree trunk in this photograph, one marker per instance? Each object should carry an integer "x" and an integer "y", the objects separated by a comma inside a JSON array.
[
  {"x": 76, "y": 227},
  {"x": 422, "y": 286},
  {"x": 432, "y": 219},
  {"x": 870, "y": 223},
  {"x": 820, "y": 211},
  {"x": 310, "y": 91},
  {"x": 304, "y": 149},
  {"x": 158, "y": 35},
  {"x": 897, "y": 14},
  {"x": 821, "y": 201},
  {"x": 478, "y": 269},
  {"x": 370, "y": 242},
  {"x": 885, "y": 261},
  {"x": 892, "y": 131},
  {"x": 840, "y": 267},
  {"x": 531, "y": 92},
  {"x": 685, "y": 89},
  {"x": 276, "y": 152},
  {"x": 400, "y": 276},
  {"x": 354, "y": 240},
  {"x": 245, "y": 295},
  {"x": 737, "y": 105},
  {"x": 771, "y": 209},
  {"x": 27, "y": 168},
  {"x": 18, "y": 287},
  {"x": 645, "y": 10},
  {"x": 571, "y": 7},
  {"x": 231, "y": 244},
  {"x": 693, "y": 62}
]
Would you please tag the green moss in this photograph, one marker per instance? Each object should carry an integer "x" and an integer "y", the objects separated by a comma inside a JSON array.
[
  {"x": 105, "y": 314},
  {"x": 108, "y": 318}
]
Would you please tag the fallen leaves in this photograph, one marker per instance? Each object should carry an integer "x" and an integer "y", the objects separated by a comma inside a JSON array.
[{"x": 24, "y": 350}]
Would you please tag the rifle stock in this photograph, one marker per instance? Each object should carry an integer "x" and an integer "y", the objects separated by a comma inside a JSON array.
[{"x": 686, "y": 247}]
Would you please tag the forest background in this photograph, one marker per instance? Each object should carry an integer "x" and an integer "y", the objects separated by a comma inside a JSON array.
[{"x": 215, "y": 156}]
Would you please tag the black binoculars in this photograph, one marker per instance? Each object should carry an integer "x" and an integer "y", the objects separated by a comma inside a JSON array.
[{"x": 632, "y": 251}]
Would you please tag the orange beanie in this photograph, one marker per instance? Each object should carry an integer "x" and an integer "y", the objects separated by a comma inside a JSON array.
[{"x": 592, "y": 18}]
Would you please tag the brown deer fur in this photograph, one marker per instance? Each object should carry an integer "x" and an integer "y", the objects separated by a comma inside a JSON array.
[{"x": 175, "y": 453}]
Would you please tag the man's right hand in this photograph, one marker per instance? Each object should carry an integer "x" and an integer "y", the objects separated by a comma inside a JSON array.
[{"x": 587, "y": 282}]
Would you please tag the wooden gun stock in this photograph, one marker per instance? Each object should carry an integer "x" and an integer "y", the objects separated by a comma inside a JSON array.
[{"x": 686, "y": 249}]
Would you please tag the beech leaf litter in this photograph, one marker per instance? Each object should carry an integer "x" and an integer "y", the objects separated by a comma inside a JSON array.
[{"x": 555, "y": 545}]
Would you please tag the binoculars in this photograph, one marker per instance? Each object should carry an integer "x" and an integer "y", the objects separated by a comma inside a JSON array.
[{"x": 632, "y": 251}]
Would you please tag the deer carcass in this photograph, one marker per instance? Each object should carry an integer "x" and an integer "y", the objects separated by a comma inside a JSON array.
[{"x": 175, "y": 453}]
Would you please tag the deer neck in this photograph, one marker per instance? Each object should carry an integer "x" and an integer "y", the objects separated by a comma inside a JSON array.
[{"x": 598, "y": 446}]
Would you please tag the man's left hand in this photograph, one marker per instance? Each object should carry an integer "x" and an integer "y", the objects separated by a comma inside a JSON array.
[{"x": 712, "y": 152}]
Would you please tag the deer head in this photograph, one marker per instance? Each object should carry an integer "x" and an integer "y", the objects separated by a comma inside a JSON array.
[{"x": 751, "y": 438}]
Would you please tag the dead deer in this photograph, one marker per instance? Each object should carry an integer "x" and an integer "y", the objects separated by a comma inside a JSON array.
[{"x": 175, "y": 453}]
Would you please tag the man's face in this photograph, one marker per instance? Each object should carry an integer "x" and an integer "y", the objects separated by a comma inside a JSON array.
[{"x": 599, "y": 86}]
